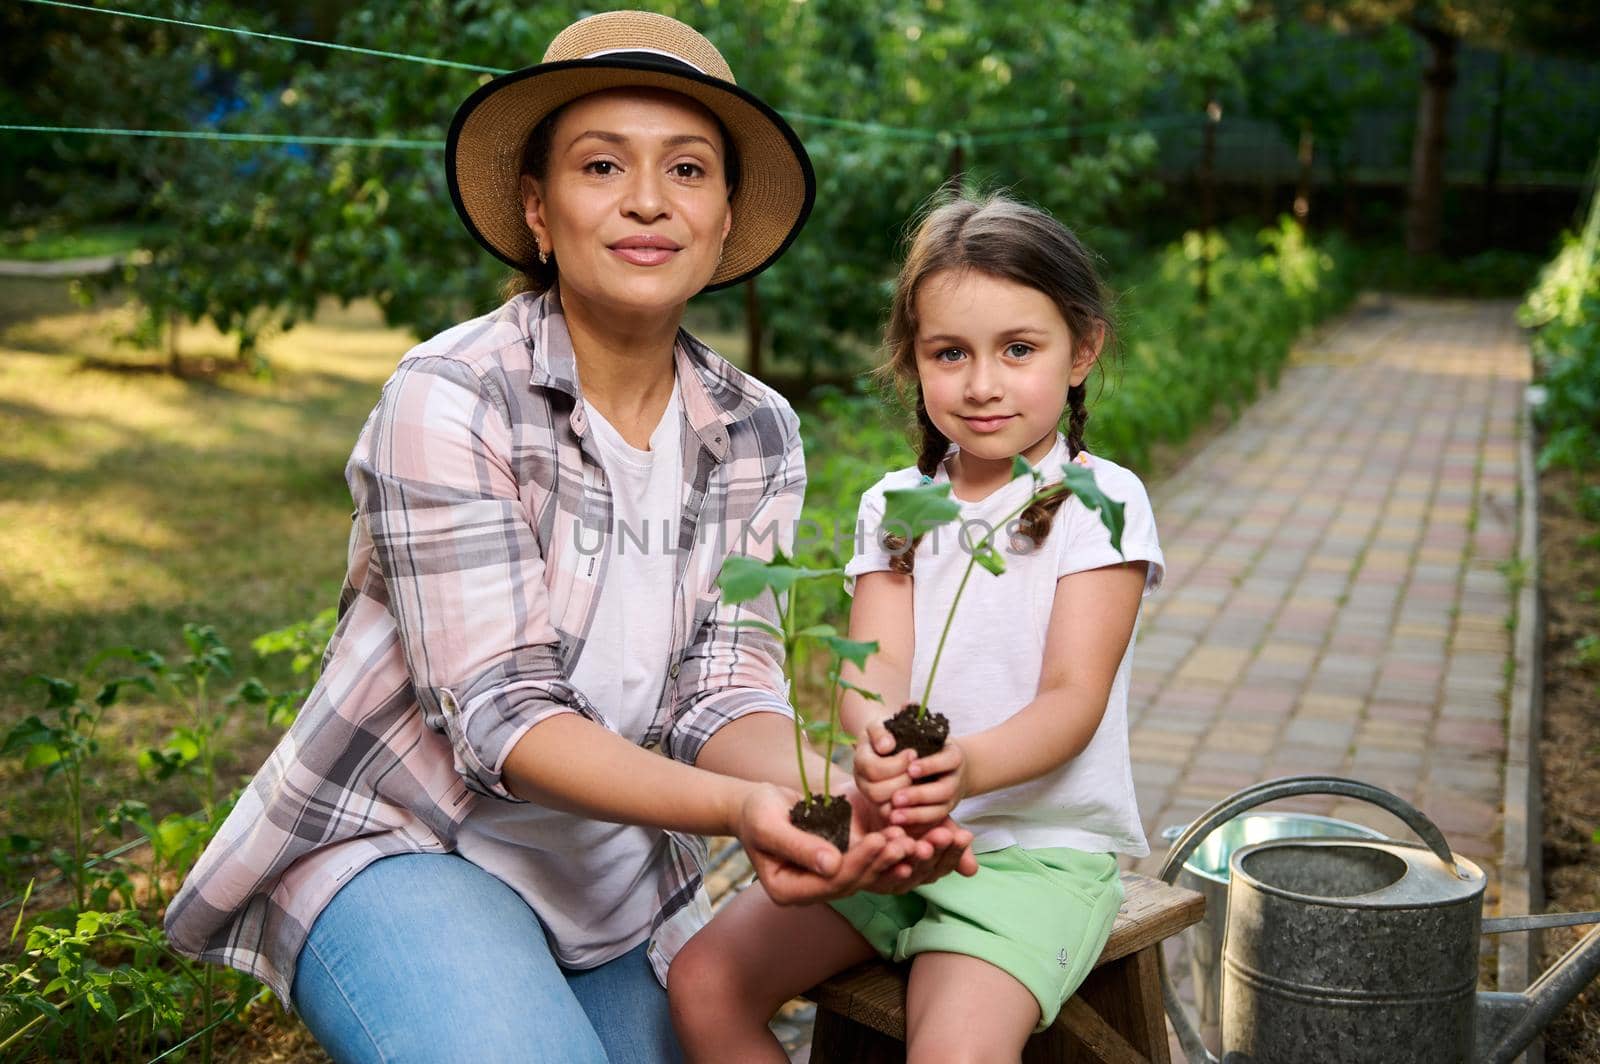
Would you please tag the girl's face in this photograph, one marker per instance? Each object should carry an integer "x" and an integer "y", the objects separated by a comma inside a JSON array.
[
  {"x": 995, "y": 359},
  {"x": 633, "y": 204}
]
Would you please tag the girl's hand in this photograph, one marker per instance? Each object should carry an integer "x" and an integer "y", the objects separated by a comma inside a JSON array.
[
  {"x": 924, "y": 804},
  {"x": 880, "y": 773}
]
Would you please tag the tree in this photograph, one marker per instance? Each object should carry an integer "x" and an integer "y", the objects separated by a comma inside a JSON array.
[{"x": 1441, "y": 26}]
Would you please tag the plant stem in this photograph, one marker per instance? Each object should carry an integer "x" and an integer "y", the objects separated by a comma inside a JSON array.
[
  {"x": 1044, "y": 493},
  {"x": 206, "y": 757},
  {"x": 790, "y": 646},
  {"x": 75, "y": 799},
  {"x": 20, "y": 1031},
  {"x": 834, "y": 692},
  {"x": 205, "y": 1042}
]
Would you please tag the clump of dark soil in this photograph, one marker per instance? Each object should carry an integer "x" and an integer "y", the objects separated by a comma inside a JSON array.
[
  {"x": 1569, "y": 560},
  {"x": 925, "y": 734},
  {"x": 826, "y": 816}
]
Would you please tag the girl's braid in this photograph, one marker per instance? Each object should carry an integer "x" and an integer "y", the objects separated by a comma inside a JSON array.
[{"x": 1035, "y": 522}]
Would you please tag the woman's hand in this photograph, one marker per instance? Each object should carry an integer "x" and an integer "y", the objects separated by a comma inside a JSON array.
[
  {"x": 937, "y": 850},
  {"x": 945, "y": 783},
  {"x": 797, "y": 867}
]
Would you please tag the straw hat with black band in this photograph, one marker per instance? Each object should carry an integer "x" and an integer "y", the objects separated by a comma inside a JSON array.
[{"x": 617, "y": 49}]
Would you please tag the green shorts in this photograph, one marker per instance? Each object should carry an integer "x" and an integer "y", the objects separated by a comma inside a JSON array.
[{"x": 1042, "y": 916}]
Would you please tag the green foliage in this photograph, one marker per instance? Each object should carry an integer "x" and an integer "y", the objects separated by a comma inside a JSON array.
[
  {"x": 97, "y": 978},
  {"x": 1564, "y": 308},
  {"x": 913, "y": 512},
  {"x": 253, "y": 236},
  {"x": 65, "y": 749},
  {"x": 1495, "y": 274},
  {"x": 191, "y": 748},
  {"x": 1312, "y": 81},
  {"x": 306, "y": 642},
  {"x": 1182, "y": 362},
  {"x": 743, "y": 578}
]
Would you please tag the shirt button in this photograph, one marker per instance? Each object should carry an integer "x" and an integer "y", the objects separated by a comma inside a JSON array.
[{"x": 673, "y": 672}]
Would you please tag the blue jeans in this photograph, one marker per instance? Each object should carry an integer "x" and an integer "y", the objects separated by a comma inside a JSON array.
[{"x": 427, "y": 957}]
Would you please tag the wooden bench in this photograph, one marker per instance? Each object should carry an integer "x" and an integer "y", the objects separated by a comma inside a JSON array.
[{"x": 1116, "y": 1017}]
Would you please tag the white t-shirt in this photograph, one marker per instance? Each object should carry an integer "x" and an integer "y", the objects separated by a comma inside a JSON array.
[
  {"x": 995, "y": 652},
  {"x": 594, "y": 884}
]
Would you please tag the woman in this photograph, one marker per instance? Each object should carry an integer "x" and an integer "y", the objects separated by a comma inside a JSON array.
[{"x": 462, "y": 850}]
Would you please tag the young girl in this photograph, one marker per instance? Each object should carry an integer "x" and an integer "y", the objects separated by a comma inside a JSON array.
[{"x": 998, "y": 319}]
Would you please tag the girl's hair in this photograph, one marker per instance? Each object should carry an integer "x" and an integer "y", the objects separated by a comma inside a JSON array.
[
  {"x": 1002, "y": 238},
  {"x": 535, "y": 276}
]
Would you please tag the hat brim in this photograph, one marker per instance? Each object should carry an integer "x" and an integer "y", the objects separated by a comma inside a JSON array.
[{"x": 483, "y": 155}]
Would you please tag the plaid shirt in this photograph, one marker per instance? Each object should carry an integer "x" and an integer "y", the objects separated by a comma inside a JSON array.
[{"x": 471, "y": 585}]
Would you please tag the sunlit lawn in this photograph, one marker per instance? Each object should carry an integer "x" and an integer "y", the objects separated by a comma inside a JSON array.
[{"x": 131, "y": 502}]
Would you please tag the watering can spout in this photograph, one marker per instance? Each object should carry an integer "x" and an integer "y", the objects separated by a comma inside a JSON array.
[{"x": 1507, "y": 1023}]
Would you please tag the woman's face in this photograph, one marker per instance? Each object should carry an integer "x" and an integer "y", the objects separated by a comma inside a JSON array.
[{"x": 633, "y": 203}]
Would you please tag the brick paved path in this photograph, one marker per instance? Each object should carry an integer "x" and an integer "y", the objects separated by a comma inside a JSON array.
[{"x": 1339, "y": 590}]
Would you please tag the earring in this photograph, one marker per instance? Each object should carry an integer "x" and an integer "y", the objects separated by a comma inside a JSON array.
[{"x": 544, "y": 256}]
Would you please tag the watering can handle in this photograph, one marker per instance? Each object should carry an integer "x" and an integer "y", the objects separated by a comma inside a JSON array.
[{"x": 1270, "y": 791}]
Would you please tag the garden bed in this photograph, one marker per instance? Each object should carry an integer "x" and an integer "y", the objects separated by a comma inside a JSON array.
[{"x": 1570, "y": 750}]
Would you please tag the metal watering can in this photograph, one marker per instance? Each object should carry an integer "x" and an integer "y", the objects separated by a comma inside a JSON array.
[{"x": 1363, "y": 951}]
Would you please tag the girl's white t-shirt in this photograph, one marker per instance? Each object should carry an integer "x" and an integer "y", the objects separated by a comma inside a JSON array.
[
  {"x": 995, "y": 651},
  {"x": 594, "y": 884}
]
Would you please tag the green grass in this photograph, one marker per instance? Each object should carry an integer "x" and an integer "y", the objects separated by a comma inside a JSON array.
[
  {"x": 45, "y": 243},
  {"x": 131, "y": 501}
]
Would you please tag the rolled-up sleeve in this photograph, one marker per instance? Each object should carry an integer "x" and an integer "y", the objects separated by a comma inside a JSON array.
[
  {"x": 728, "y": 671},
  {"x": 463, "y": 574}
]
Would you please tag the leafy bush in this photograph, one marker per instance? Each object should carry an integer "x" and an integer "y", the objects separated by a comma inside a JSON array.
[
  {"x": 1182, "y": 361},
  {"x": 96, "y": 977},
  {"x": 1564, "y": 308}
]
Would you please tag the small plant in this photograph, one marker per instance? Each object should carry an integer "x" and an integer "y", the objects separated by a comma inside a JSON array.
[
  {"x": 912, "y": 512},
  {"x": 744, "y": 578},
  {"x": 66, "y": 750},
  {"x": 191, "y": 748},
  {"x": 306, "y": 641}
]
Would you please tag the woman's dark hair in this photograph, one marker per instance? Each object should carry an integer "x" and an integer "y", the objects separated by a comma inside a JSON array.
[
  {"x": 535, "y": 276},
  {"x": 1000, "y": 237}
]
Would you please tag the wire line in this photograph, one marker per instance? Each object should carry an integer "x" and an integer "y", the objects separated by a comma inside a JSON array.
[
  {"x": 247, "y": 138},
  {"x": 475, "y": 68}
]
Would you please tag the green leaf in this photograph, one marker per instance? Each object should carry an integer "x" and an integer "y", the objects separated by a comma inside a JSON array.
[
  {"x": 986, "y": 556},
  {"x": 824, "y": 730},
  {"x": 1080, "y": 480},
  {"x": 26, "y": 734},
  {"x": 62, "y": 693},
  {"x": 862, "y": 691},
  {"x": 41, "y": 756},
  {"x": 252, "y": 692},
  {"x": 743, "y": 578},
  {"x": 759, "y": 625},
  {"x": 912, "y": 512},
  {"x": 1021, "y": 468},
  {"x": 817, "y": 631},
  {"x": 852, "y": 650},
  {"x": 16, "y": 928},
  {"x": 113, "y": 689}
]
